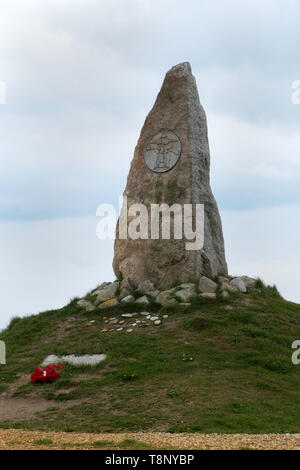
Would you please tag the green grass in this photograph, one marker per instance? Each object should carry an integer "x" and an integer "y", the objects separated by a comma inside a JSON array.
[
  {"x": 43, "y": 442},
  {"x": 241, "y": 378},
  {"x": 125, "y": 444}
]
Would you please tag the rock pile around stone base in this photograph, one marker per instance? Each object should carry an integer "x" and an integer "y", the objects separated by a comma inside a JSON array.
[{"x": 110, "y": 294}]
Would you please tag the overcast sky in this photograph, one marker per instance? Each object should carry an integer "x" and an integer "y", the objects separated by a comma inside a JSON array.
[{"x": 81, "y": 76}]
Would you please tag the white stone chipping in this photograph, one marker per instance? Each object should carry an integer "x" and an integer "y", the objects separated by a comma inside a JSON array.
[{"x": 85, "y": 360}]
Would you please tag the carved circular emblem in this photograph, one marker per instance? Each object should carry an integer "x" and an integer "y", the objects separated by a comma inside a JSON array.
[{"x": 163, "y": 151}]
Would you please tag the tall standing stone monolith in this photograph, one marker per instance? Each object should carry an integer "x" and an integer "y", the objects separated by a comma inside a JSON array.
[{"x": 171, "y": 165}]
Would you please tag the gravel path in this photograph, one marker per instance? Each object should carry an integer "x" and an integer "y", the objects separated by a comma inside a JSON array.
[{"x": 23, "y": 439}]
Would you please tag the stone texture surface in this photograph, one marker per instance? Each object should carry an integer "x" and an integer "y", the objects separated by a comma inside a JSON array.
[
  {"x": 101, "y": 287},
  {"x": 142, "y": 300},
  {"x": 147, "y": 287},
  {"x": 207, "y": 285},
  {"x": 239, "y": 284},
  {"x": 248, "y": 281},
  {"x": 224, "y": 279},
  {"x": 229, "y": 287},
  {"x": 124, "y": 293},
  {"x": 107, "y": 292},
  {"x": 186, "y": 292},
  {"x": 187, "y": 285},
  {"x": 164, "y": 298},
  {"x": 88, "y": 306},
  {"x": 127, "y": 299},
  {"x": 109, "y": 303},
  {"x": 177, "y": 108}
]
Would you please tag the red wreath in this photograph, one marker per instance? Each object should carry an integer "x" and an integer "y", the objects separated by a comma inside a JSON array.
[{"x": 49, "y": 374}]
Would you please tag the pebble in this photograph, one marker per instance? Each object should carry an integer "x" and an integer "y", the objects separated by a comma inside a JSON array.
[
  {"x": 157, "y": 322},
  {"x": 127, "y": 315},
  {"x": 129, "y": 330},
  {"x": 165, "y": 316},
  {"x": 24, "y": 439},
  {"x": 145, "y": 313},
  {"x": 120, "y": 329},
  {"x": 142, "y": 300},
  {"x": 153, "y": 318}
]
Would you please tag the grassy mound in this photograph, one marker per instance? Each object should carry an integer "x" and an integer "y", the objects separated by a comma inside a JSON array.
[{"x": 219, "y": 365}]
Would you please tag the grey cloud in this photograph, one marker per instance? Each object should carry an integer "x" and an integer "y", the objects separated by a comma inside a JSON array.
[{"x": 81, "y": 77}]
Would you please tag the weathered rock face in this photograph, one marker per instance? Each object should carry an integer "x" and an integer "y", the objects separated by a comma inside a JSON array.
[
  {"x": 171, "y": 165},
  {"x": 207, "y": 285},
  {"x": 106, "y": 292}
]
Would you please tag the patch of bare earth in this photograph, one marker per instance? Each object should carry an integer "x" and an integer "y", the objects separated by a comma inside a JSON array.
[
  {"x": 21, "y": 380},
  {"x": 18, "y": 409},
  {"x": 22, "y": 439}
]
